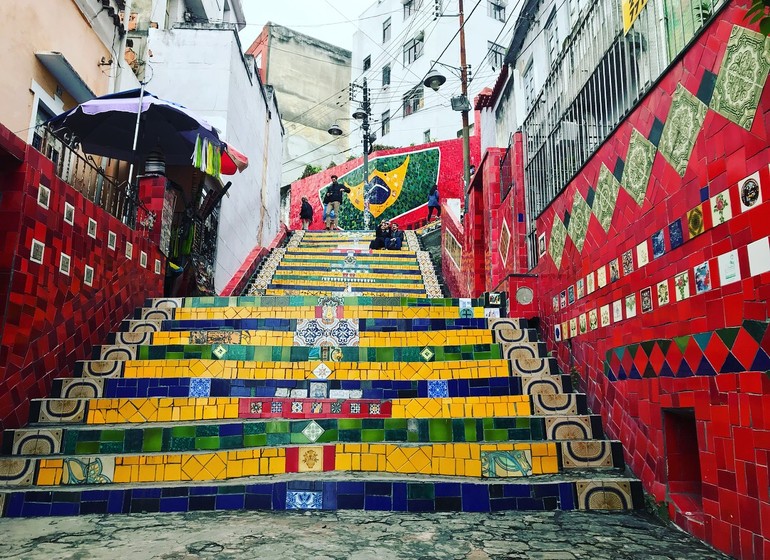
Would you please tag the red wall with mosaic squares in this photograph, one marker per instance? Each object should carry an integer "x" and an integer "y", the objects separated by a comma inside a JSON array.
[
  {"x": 653, "y": 282},
  {"x": 450, "y": 172},
  {"x": 51, "y": 319}
]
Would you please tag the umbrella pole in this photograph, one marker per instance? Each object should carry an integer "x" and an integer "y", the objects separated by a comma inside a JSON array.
[{"x": 131, "y": 217}]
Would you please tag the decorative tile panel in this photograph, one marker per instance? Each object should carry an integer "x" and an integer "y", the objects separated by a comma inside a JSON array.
[
  {"x": 638, "y": 166},
  {"x": 578, "y": 223},
  {"x": 742, "y": 76},
  {"x": 607, "y": 189},
  {"x": 558, "y": 240},
  {"x": 684, "y": 123}
]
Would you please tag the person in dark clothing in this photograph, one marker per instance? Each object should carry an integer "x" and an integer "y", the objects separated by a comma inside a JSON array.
[
  {"x": 433, "y": 202},
  {"x": 381, "y": 236},
  {"x": 334, "y": 193},
  {"x": 396, "y": 238},
  {"x": 306, "y": 213}
]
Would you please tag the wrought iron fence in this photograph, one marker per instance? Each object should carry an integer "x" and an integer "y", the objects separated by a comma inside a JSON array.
[
  {"x": 506, "y": 170},
  {"x": 85, "y": 175},
  {"x": 599, "y": 76}
]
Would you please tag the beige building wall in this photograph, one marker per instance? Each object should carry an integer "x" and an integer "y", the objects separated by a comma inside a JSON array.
[{"x": 45, "y": 25}]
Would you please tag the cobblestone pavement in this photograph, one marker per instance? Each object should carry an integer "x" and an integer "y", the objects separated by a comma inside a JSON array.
[{"x": 350, "y": 535}]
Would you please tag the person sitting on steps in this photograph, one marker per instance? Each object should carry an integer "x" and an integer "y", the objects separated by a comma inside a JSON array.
[
  {"x": 396, "y": 238},
  {"x": 334, "y": 194},
  {"x": 306, "y": 213},
  {"x": 381, "y": 236}
]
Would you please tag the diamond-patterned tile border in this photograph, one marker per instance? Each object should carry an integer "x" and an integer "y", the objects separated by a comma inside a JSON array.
[{"x": 684, "y": 123}]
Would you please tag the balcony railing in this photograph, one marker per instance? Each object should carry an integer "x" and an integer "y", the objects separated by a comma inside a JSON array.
[{"x": 84, "y": 174}]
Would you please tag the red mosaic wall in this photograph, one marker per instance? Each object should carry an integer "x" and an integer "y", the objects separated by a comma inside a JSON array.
[
  {"x": 449, "y": 182},
  {"x": 51, "y": 319},
  {"x": 675, "y": 342}
]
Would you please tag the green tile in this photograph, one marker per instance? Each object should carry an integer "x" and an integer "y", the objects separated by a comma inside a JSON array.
[
  {"x": 278, "y": 438},
  {"x": 182, "y": 444},
  {"x": 495, "y": 435},
  {"x": 85, "y": 447},
  {"x": 153, "y": 439},
  {"x": 111, "y": 447},
  {"x": 298, "y": 438},
  {"x": 418, "y": 491},
  {"x": 183, "y": 431},
  {"x": 472, "y": 429},
  {"x": 208, "y": 442},
  {"x": 372, "y": 435},
  {"x": 349, "y": 424},
  {"x": 440, "y": 429},
  {"x": 395, "y": 423},
  {"x": 277, "y": 427},
  {"x": 255, "y": 440},
  {"x": 349, "y": 435},
  {"x": 328, "y": 436},
  {"x": 230, "y": 442},
  {"x": 207, "y": 430}
]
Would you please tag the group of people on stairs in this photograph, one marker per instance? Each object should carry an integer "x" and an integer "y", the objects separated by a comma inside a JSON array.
[{"x": 332, "y": 200}]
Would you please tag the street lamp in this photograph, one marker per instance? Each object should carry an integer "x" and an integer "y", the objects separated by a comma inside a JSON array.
[
  {"x": 363, "y": 114},
  {"x": 435, "y": 80}
]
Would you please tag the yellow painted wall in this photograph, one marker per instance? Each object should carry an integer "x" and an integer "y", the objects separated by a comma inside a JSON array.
[{"x": 45, "y": 25}]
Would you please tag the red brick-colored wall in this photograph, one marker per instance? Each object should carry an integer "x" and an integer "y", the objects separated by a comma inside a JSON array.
[
  {"x": 50, "y": 319},
  {"x": 661, "y": 362}
]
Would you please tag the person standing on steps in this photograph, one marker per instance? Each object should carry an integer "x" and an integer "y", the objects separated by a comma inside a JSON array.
[
  {"x": 306, "y": 214},
  {"x": 334, "y": 194},
  {"x": 433, "y": 202}
]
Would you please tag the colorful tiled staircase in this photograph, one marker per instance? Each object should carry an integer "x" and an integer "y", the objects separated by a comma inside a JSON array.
[{"x": 341, "y": 382}]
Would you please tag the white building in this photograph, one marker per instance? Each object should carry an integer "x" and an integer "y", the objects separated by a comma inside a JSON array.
[
  {"x": 394, "y": 47},
  {"x": 194, "y": 56}
]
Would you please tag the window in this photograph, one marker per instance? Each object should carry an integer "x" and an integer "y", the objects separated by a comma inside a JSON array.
[
  {"x": 385, "y": 119},
  {"x": 552, "y": 37},
  {"x": 529, "y": 86},
  {"x": 496, "y": 55},
  {"x": 386, "y": 31},
  {"x": 367, "y": 63},
  {"x": 496, "y": 9},
  {"x": 411, "y": 6},
  {"x": 413, "y": 50},
  {"x": 426, "y": 136},
  {"x": 413, "y": 100},
  {"x": 386, "y": 75}
]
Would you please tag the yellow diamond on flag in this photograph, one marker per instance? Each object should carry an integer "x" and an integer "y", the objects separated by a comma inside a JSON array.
[{"x": 384, "y": 189}]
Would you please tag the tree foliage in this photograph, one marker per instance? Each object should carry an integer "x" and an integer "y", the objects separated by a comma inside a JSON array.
[
  {"x": 310, "y": 170},
  {"x": 759, "y": 12}
]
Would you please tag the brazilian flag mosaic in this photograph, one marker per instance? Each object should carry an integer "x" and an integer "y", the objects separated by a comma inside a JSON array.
[{"x": 397, "y": 184}]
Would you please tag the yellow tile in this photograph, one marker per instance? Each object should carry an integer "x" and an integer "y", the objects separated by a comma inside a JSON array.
[
  {"x": 550, "y": 465},
  {"x": 472, "y": 467}
]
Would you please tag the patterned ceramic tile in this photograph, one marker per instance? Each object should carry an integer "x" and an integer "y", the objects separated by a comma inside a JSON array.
[
  {"x": 88, "y": 470},
  {"x": 628, "y": 262},
  {"x": 37, "y": 442},
  {"x": 617, "y": 310},
  {"x": 645, "y": 297},
  {"x": 663, "y": 293},
  {"x": 313, "y": 431},
  {"x": 702, "y": 278},
  {"x": 200, "y": 386},
  {"x": 658, "y": 244},
  {"x": 304, "y": 500},
  {"x": 675, "y": 236},
  {"x": 578, "y": 223},
  {"x": 605, "y": 315},
  {"x": 438, "y": 389},
  {"x": 695, "y": 223},
  {"x": 322, "y": 371},
  {"x": 682, "y": 286},
  {"x": 729, "y": 268},
  {"x": 311, "y": 459},
  {"x": 558, "y": 239},
  {"x": 638, "y": 166},
  {"x": 750, "y": 192},
  {"x": 642, "y": 254},
  {"x": 630, "y": 306},
  {"x": 607, "y": 188},
  {"x": 721, "y": 209},
  {"x": 604, "y": 495},
  {"x": 503, "y": 464},
  {"x": 682, "y": 127},
  {"x": 742, "y": 76}
]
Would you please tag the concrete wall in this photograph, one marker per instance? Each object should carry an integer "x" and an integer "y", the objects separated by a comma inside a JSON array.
[
  {"x": 311, "y": 79},
  {"x": 218, "y": 85},
  {"x": 29, "y": 28}
]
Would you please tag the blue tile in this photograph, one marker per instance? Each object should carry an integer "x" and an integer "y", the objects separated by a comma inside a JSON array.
[
  {"x": 304, "y": 500},
  {"x": 279, "y": 496},
  {"x": 330, "y": 495},
  {"x": 421, "y": 506},
  {"x": 399, "y": 496},
  {"x": 349, "y": 501},
  {"x": 567, "y": 496},
  {"x": 230, "y": 501},
  {"x": 378, "y": 489},
  {"x": 168, "y": 505},
  {"x": 448, "y": 489},
  {"x": 378, "y": 503},
  {"x": 200, "y": 387},
  {"x": 475, "y": 497},
  {"x": 675, "y": 234}
]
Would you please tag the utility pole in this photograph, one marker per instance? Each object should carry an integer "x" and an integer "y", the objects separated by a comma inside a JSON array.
[{"x": 464, "y": 90}]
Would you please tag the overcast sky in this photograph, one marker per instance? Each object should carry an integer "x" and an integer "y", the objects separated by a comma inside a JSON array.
[{"x": 322, "y": 19}]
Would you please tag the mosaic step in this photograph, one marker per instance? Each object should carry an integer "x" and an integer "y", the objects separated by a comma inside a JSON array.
[
  {"x": 311, "y": 301},
  {"x": 335, "y": 389},
  {"x": 562, "y": 407},
  {"x": 288, "y": 337},
  {"x": 484, "y": 460},
  {"x": 291, "y": 492},
  {"x": 225, "y": 368},
  {"x": 119, "y": 438}
]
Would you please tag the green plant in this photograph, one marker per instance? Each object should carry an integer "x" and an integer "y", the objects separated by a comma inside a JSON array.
[
  {"x": 760, "y": 12},
  {"x": 331, "y": 164},
  {"x": 310, "y": 170}
]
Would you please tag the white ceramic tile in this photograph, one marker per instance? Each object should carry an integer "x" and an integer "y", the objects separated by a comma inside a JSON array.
[
  {"x": 721, "y": 208},
  {"x": 642, "y": 254},
  {"x": 590, "y": 286},
  {"x": 69, "y": 213},
  {"x": 729, "y": 268},
  {"x": 617, "y": 310},
  {"x": 682, "y": 286},
  {"x": 88, "y": 276},
  {"x": 759, "y": 256},
  {"x": 65, "y": 262},
  {"x": 573, "y": 327},
  {"x": 605, "y": 315},
  {"x": 750, "y": 192},
  {"x": 663, "y": 293},
  {"x": 630, "y": 305},
  {"x": 601, "y": 277}
]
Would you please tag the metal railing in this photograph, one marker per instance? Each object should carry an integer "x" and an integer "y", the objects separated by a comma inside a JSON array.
[
  {"x": 600, "y": 75},
  {"x": 83, "y": 173},
  {"x": 506, "y": 170}
]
